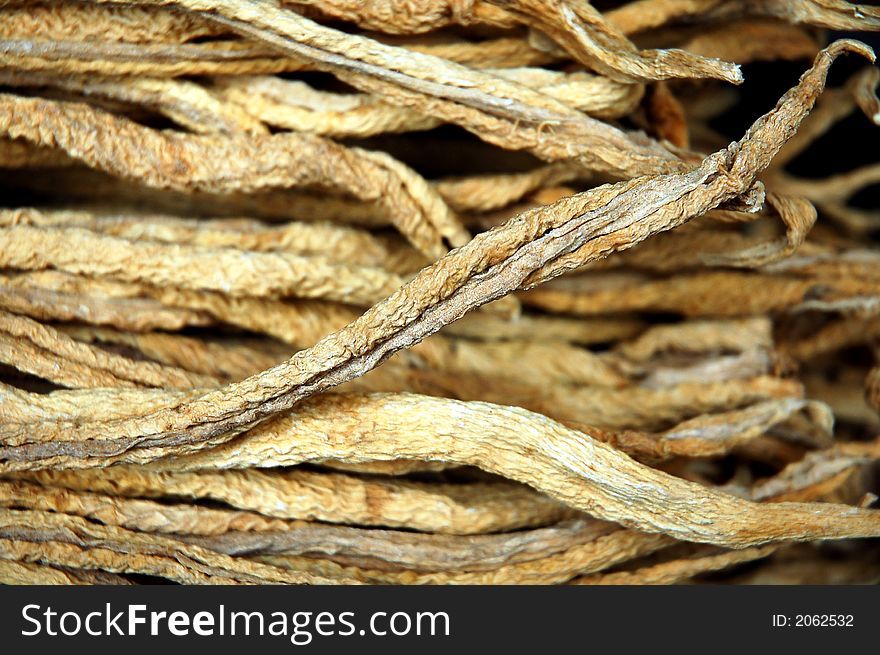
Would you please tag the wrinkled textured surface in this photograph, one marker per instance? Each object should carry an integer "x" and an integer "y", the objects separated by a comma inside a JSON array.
[{"x": 247, "y": 336}]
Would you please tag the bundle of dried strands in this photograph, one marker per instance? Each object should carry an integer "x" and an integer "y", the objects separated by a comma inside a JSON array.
[{"x": 498, "y": 292}]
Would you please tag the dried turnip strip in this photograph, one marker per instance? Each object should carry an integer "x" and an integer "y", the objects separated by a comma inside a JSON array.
[
  {"x": 525, "y": 361},
  {"x": 185, "y": 162},
  {"x": 60, "y": 539},
  {"x": 502, "y": 52},
  {"x": 242, "y": 533},
  {"x": 26, "y": 573},
  {"x": 864, "y": 89},
  {"x": 836, "y": 104},
  {"x": 632, "y": 17},
  {"x": 545, "y": 329},
  {"x": 536, "y": 246},
  {"x": 629, "y": 408},
  {"x": 481, "y": 193},
  {"x": 596, "y": 43},
  {"x": 51, "y": 295},
  {"x": 842, "y": 332},
  {"x": 159, "y": 60},
  {"x": 831, "y": 14},
  {"x": 695, "y": 337},
  {"x": 21, "y": 154},
  {"x": 41, "y": 350},
  {"x": 239, "y": 533},
  {"x": 236, "y": 272},
  {"x": 186, "y": 103},
  {"x": 412, "y": 550},
  {"x": 712, "y": 435},
  {"x": 222, "y": 360},
  {"x": 136, "y": 514},
  {"x": 495, "y": 109},
  {"x": 815, "y": 468},
  {"x": 642, "y": 15},
  {"x": 300, "y": 323},
  {"x": 750, "y": 40},
  {"x": 711, "y": 293},
  {"x": 136, "y": 314},
  {"x": 396, "y": 17},
  {"x": 295, "y": 105},
  {"x": 792, "y": 567},
  {"x": 797, "y": 214},
  {"x": 834, "y": 188},
  {"x": 19, "y": 406},
  {"x": 332, "y": 497},
  {"x": 87, "y": 22},
  {"x": 594, "y": 555},
  {"x": 345, "y": 244},
  {"x": 700, "y": 244},
  {"x": 567, "y": 465},
  {"x": 224, "y": 57},
  {"x": 705, "y": 560}
]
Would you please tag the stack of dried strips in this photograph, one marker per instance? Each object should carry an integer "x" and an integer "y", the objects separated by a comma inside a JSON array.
[{"x": 447, "y": 291}]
